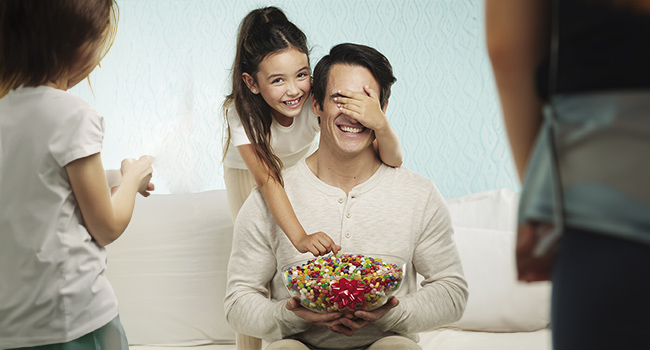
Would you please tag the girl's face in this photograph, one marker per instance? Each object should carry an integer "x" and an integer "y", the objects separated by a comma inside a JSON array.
[{"x": 284, "y": 82}]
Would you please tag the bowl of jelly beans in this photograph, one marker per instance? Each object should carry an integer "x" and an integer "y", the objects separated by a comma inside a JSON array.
[{"x": 344, "y": 282}]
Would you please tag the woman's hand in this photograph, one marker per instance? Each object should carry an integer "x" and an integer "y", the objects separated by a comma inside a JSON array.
[{"x": 532, "y": 268}]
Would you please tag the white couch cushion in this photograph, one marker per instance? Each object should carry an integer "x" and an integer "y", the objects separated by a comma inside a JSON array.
[
  {"x": 454, "y": 339},
  {"x": 497, "y": 301},
  {"x": 169, "y": 270},
  {"x": 496, "y": 209},
  {"x": 485, "y": 234}
]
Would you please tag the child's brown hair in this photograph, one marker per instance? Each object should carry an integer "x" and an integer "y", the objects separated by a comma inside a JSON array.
[
  {"x": 41, "y": 41},
  {"x": 262, "y": 32}
]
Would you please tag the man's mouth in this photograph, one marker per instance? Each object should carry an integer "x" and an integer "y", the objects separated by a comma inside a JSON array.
[
  {"x": 351, "y": 129},
  {"x": 292, "y": 103}
]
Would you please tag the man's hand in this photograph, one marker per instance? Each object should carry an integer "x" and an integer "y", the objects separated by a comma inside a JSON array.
[
  {"x": 531, "y": 268},
  {"x": 318, "y": 243},
  {"x": 328, "y": 320},
  {"x": 350, "y": 324},
  {"x": 363, "y": 107}
]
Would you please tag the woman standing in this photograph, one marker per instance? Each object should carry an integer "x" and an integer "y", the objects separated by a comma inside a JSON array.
[{"x": 574, "y": 83}]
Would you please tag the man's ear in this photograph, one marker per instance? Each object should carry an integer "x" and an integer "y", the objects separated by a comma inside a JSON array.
[
  {"x": 315, "y": 107},
  {"x": 250, "y": 83},
  {"x": 385, "y": 107}
]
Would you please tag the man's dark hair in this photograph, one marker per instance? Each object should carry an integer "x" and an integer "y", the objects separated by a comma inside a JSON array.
[{"x": 354, "y": 55}]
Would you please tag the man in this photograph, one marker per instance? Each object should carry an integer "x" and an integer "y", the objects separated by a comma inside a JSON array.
[{"x": 343, "y": 189}]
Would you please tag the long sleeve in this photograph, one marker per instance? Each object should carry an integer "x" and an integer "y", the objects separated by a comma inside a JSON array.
[
  {"x": 443, "y": 295},
  {"x": 395, "y": 212},
  {"x": 252, "y": 265}
]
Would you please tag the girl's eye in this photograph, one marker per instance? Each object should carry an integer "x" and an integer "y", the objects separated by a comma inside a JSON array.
[
  {"x": 302, "y": 75},
  {"x": 278, "y": 80}
]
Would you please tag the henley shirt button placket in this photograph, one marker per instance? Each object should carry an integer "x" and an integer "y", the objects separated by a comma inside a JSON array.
[{"x": 341, "y": 200}]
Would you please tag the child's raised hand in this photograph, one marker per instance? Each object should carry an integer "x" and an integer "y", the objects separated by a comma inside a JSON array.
[
  {"x": 363, "y": 107},
  {"x": 140, "y": 171},
  {"x": 318, "y": 243}
]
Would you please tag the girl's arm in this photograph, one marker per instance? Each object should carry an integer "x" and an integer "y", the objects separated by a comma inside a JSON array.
[
  {"x": 387, "y": 146},
  {"x": 366, "y": 109},
  {"x": 517, "y": 34},
  {"x": 276, "y": 199},
  {"x": 106, "y": 217}
]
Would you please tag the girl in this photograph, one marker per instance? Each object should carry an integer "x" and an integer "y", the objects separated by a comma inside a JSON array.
[
  {"x": 57, "y": 214},
  {"x": 270, "y": 129}
]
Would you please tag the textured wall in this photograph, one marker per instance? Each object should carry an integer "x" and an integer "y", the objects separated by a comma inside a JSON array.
[{"x": 161, "y": 85}]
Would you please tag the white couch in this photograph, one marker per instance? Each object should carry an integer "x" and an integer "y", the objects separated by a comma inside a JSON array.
[{"x": 169, "y": 273}]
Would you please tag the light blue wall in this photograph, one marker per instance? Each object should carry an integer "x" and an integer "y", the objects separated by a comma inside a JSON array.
[{"x": 161, "y": 85}]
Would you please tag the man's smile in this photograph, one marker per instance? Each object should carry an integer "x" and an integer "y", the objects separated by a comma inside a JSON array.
[
  {"x": 350, "y": 129},
  {"x": 349, "y": 126}
]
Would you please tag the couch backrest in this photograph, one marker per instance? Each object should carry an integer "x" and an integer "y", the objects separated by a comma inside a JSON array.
[
  {"x": 169, "y": 268},
  {"x": 485, "y": 234}
]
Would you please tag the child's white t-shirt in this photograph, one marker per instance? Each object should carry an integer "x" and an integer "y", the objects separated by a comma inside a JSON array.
[
  {"x": 52, "y": 283},
  {"x": 290, "y": 143}
]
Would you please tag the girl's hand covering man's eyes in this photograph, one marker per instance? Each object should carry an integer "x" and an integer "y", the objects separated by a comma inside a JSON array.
[{"x": 364, "y": 107}]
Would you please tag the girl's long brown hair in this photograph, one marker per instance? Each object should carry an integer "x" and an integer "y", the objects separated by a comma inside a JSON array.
[
  {"x": 40, "y": 41},
  {"x": 262, "y": 32}
]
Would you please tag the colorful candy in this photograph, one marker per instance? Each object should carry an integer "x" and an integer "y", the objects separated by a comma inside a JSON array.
[{"x": 343, "y": 282}]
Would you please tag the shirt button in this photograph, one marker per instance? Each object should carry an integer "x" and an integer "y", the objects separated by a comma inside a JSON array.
[
  {"x": 340, "y": 200},
  {"x": 347, "y": 235},
  {"x": 348, "y": 215}
]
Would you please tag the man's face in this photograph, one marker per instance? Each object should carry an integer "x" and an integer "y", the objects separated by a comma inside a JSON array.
[{"x": 339, "y": 132}]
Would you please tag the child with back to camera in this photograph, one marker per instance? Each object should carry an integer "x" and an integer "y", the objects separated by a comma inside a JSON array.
[
  {"x": 269, "y": 127},
  {"x": 57, "y": 213}
]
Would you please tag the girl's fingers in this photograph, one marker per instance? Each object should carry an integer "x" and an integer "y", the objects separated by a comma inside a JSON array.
[
  {"x": 348, "y": 102},
  {"x": 327, "y": 243},
  {"x": 352, "y": 104},
  {"x": 319, "y": 247},
  {"x": 351, "y": 94},
  {"x": 331, "y": 247},
  {"x": 350, "y": 113},
  {"x": 370, "y": 92}
]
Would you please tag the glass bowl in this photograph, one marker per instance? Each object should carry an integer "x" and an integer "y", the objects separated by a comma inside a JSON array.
[{"x": 344, "y": 282}]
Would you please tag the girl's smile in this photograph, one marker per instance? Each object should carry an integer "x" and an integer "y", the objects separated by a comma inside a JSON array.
[{"x": 295, "y": 103}]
